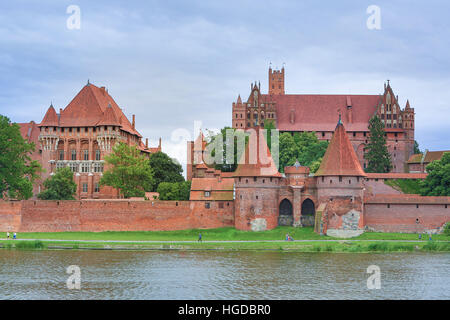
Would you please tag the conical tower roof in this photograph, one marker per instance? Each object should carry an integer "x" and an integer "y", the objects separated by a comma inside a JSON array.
[
  {"x": 50, "y": 118},
  {"x": 257, "y": 160},
  {"x": 340, "y": 158}
]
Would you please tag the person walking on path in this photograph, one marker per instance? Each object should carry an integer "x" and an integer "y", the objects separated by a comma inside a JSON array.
[
  {"x": 7, "y": 235},
  {"x": 199, "y": 237},
  {"x": 15, "y": 236}
]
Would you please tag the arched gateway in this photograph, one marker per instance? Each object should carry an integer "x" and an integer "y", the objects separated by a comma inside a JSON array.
[
  {"x": 285, "y": 217},
  {"x": 308, "y": 213}
]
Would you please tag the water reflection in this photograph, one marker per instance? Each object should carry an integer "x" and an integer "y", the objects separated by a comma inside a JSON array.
[{"x": 221, "y": 275}]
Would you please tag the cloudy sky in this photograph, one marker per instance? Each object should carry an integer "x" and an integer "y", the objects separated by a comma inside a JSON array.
[{"x": 172, "y": 63}]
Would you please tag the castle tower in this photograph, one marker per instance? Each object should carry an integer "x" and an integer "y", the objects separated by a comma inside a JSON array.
[
  {"x": 408, "y": 126},
  {"x": 238, "y": 114},
  {"x": 256, "y": 181},
  {"x": 340, "y": 181},
  {"x": 276, "y": 81}
]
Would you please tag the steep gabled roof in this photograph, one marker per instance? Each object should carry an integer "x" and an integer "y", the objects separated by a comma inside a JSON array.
[
  {"x": 108, "y": 118},
  {"x": 317, "y": 112},
  {"x": 340, "y": 158},
  {"x": 89, "y": 107},
  {"x": 257, "y": 160},
  {"x": 50, "y": 118}
]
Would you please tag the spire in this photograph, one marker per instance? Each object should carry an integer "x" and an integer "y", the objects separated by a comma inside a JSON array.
[
  {"x": 340, "y": 158},
  {"x": 407, "y": 105},
  {"x": 239, "y": 100},
  {"x": 50, "y": 118},
  {"x": 88, "y": 83}
]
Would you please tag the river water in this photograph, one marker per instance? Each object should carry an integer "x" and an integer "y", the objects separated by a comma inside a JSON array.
[{"x": 222, "y": 275}]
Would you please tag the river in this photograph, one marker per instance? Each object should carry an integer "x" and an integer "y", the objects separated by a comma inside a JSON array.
[{"x": 221, "y": 275}]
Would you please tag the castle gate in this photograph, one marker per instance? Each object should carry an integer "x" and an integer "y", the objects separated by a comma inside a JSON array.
[
  {"x": 308, "y": 213},
  {"x": 285, "y": 217}
]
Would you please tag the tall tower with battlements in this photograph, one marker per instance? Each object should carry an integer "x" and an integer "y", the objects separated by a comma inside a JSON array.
[{"x": 276, "y": 81}]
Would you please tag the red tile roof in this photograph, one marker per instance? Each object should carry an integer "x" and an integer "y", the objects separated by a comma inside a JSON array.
[
  {"x": 340, "y": 158},
  {"x": 30, "y": 132},
  {"x": 429, "y": 157},
  {"x": 251, "y": 164},
  {"x": 90, "y": 107},
  {"x": 406, "y": 198},
  {"x": 220, "y": 189},
  {"x": 396, "y": 175},
  {"x": 50, "y": 118},
  {"x": 318, "y": 112}
]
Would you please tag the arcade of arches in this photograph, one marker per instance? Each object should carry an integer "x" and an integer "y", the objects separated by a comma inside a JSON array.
[{"x": 286, "y": 216}]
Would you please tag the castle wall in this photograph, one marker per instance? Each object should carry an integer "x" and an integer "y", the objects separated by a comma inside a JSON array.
[
  {"x": 406, "y": 217},
  {"x": 256, "y": 202},
  {"x": 113, "y": 215}
]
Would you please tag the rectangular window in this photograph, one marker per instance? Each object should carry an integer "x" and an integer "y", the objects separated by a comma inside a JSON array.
[
  {"x": 59, "y": 165},
  {"x": 73, "y": 167},
  {"x": 207, "y": 193},
  {"x": 97, "y": 188},
  {"x": 98, "y": 167},
  {"x": 207, "y": 205},
  {"x": 74, "y": 154},
  {"x": 220, "y": 205},
  {"x": 61, "y": 154},
  {"x": 85, "y": 187},
  {"x": 85, "y": 154},
  {"x": 85, "y": 167},
  {"x": 97, "y": 154}
]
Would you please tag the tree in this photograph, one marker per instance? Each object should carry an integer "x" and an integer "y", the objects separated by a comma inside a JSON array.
[
  {"x": 437, "y": 183},
  {"x": 59, "y": 186},
  {"x": 304, "y": 147},
  {"x": 128, "y": 171},
  {"x": 174, "y": 190},
  {"x": 232, "y": 140},
  {"x": 17, "y": 170},
  {"x": 376, "y": 152},
  {"x": 416, "y": 147},
  {"x": 165, "y": 169}
]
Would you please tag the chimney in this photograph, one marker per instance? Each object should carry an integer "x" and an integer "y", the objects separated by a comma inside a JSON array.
[
  {"x": 146, "y": 143},
  {"x": 133, "y": 123},
  {"x": 159, "y": 146}
]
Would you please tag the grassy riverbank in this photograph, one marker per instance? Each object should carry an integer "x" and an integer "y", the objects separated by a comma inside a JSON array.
[
  {"x": 295, "y": 246},
  {"x": 219, "y": 234},
  {"x": 228, "y": 239}
]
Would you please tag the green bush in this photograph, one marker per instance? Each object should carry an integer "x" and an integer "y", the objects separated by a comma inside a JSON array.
[
  {"x": 37, "y": 244},
  {"x": 447, "y": 229}
]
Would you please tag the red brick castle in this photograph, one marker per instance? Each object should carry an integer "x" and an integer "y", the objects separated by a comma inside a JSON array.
[
  {"x": 80, "y": 136},
  {"x": 318, "y": 112}
]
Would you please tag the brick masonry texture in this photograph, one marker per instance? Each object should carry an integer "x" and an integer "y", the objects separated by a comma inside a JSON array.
[{"x": 112, "y": 215}]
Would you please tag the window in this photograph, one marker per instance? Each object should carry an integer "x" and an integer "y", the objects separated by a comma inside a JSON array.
[
  {"x": 388, "y": 205},
  {"x": 256, "y": 197},
  {"x": 220, "y": 205},
  {"x": 354, "y": 134},
  {"x": 85, "y": 167},
  {"x": 340, "y": 179},
  {"x": 85, "y": 187},
  {"x": 74, "y": 154},
  {"x": 73, "y": 167},
  {"x": 59, "y": 165},
  {"x": 85, "y": 154},
  {"x": 207, "y": 205},
  {"x": 97, "y": 188},
  {"x": 97, "y": 154},
  {"x": 207, "y": 193},
  {"x": 61, "y": 154},
  {"x": 98, "y": 167}
]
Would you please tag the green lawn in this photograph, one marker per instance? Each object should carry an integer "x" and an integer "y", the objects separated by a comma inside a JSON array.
[
  {"x": 410, "y": 186},
  {"x": 219, "y": 234},
  {"x": 309, "y": 246}
]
